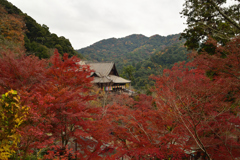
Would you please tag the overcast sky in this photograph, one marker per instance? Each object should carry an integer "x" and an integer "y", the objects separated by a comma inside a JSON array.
[{"x": 85, "y": 22}]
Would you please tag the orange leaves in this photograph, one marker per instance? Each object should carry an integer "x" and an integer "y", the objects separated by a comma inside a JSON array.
[{"x": 12, "y": 26}]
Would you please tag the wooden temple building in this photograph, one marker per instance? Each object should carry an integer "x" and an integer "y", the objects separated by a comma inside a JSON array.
[{"x": 106, "y": 76}]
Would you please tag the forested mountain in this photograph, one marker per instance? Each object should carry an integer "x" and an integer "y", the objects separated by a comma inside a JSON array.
[
  {"x": 37, "y": 39},
  {"x": 155, "y": 64},
  {"x": 128, "y": 50},
  {"x": 137, "y": 56}
]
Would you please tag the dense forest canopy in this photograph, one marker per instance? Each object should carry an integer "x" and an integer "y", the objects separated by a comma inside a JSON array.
[
  {"x": 131, "y": 49},
  {"x": 38, "y": 40},
  {"x": 156, "y": 63},
  {"x": 145, "y": 55}
]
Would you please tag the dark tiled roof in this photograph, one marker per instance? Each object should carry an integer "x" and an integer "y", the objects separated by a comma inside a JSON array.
[{"x": 102, "y": 71}]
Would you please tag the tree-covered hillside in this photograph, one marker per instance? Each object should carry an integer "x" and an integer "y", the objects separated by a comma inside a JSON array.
[
  {"x": 38, "y": 40},
  {"x": 155, "y": 64},
  {"x": 137, "y": 56},
  {"x": 128, "y": 50}
]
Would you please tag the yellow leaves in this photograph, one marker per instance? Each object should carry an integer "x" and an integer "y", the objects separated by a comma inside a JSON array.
[
  {"x": 7, "y": 146},
  {"x": 6, "y": 104},
  {"x": 169, "y": 128},
  {"x": 18, "y": 122},
  {"x": 16, "y": 99},
  {"x": 6, "y": 94},
  {"x": 12, "y": 116},
  {"x": 13, "y": 92},
  {"x": 127, "y": 85},
  {"x": 17, "y": 106},
  {"x": 5, "y": 150}
]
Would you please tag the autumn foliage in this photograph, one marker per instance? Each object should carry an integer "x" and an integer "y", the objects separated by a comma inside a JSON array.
[
  {"x": 140, "y": 131},
  {"x": 55, "y": 112},
  {"x": 194, "y": 111},
  {"x": 12, "y": 116},
  {"x": 11, "y": 26},
  {"x": 12, "y": 30},
  {"x": 56, "y": 92},
  {"x": 206, "y": 105}
]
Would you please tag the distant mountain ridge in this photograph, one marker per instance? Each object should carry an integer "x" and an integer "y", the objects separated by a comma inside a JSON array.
[
  {"x": 127, "y": 50},
  {"x": 144, "y": 56}
]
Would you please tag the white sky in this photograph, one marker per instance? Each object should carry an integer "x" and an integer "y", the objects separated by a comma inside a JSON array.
[{"x": 85, "y": 22}]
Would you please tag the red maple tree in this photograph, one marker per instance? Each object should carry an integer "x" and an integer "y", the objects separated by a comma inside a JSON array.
[
  {"x": 57, "y": 92},
  {"x": 140, "y": 131},
  {"x": 206, "y": 106}
]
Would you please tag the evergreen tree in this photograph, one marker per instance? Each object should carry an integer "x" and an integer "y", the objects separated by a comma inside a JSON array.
[{"x": 210, "y": 18}]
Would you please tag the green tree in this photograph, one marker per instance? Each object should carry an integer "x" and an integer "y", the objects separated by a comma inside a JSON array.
[
  {"x": 129, "y": 72},
  {"x": 59, "y": 48},
  {"x": 210, "y": 18}
]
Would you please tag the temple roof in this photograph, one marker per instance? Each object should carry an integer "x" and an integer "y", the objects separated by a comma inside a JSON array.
[{"x": 105, "y": 72}]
